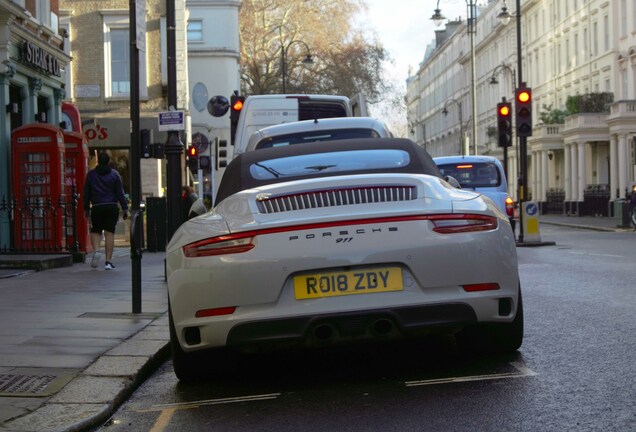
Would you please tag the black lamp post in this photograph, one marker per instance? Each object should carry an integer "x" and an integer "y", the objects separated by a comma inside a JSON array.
[
  {"x": 438, "y": 18},
  {"x": 283, "y": 59},
  {"x": 461, "y": 123},
  {"x": 505, "y": 17},
  {"x": 493, "y": 81},
  {"x": 173, "y": 147}
]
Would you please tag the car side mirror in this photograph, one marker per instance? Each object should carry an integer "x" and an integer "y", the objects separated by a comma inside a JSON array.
[
  {"x": 198, "y": 208},
  {"x": 452, "y": 181}
]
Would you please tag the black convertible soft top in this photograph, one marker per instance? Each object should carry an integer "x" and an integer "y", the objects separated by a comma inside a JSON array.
[{"x": 237, "y": 175}]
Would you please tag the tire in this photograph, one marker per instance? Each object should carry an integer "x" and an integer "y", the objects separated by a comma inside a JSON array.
[
  {"x": 496, "y": 338},
  {"x": 199, "y": 365}
]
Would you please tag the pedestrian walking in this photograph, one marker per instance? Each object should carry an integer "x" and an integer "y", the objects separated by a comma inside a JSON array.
[
  {"x": 188, "y": 197},
  {"x": 102, "y": 191}
]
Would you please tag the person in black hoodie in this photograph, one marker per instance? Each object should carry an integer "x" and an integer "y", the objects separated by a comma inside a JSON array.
[{"x": 102, "y": 191}]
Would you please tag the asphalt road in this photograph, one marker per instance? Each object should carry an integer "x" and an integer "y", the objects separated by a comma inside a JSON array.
[{"x": 574, "y": 372}]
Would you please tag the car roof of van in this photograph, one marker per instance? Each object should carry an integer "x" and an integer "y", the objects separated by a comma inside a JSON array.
[
  {"x": 321, "y": 124},
  {"x": 466, "y": 159},
  {"x": 297, "y": 96}
]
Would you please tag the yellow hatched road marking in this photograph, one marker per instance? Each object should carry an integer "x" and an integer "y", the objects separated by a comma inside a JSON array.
[{"x": 163, "y": 420}]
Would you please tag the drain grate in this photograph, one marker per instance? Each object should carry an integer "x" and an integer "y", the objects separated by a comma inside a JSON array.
[{"x": 32, "y": 384}]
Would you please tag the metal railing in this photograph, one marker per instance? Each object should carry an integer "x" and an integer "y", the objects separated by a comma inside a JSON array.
[{"x": 38, "y": 225}]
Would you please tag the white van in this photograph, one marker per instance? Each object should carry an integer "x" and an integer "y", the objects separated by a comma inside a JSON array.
[{"x": 265, "y": 110}]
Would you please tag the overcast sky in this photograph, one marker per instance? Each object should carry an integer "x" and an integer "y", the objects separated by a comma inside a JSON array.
[{"x": 405, "y": 28}]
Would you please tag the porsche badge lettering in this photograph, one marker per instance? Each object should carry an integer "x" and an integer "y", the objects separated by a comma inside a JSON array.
[
  {"x": 348, "y": 282},
  {"x": 342, "y": 236}
]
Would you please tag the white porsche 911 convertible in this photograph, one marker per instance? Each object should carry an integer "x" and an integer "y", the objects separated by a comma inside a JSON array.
[{"x": 340, "y": 242}]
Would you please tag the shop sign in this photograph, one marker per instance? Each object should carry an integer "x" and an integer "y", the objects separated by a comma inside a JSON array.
[{"x": 41, "y": 59}]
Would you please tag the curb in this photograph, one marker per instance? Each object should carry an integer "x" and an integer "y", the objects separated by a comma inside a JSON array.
[
  {"x": 586, "y": 227},
  {"x": 108, "y": 382}
]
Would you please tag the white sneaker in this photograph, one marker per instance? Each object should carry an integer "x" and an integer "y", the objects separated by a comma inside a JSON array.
[{"x": 97, "y": 255}]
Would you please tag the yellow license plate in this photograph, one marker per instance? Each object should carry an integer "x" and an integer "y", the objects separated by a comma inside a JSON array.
[{"x": 362, "y": 281}]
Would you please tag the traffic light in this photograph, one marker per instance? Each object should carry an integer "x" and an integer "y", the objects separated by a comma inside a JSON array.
[
  {"x": 523, "y": 106},
  {"x": 504, "y": 123},
  {"x": 147, "y": 149},
  {"x": 193, "y": 159},
  {"x": 204, "y": 164},
  {"x": 220, "y": 147},
  {"x": 236, "y": 105}
]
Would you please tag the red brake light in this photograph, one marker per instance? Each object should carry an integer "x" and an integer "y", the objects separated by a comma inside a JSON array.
[
  {"x": 228, "y": 244},
  {"x": 464, "y": 166},
  {"x": 462, "y": 223},
  {"x": 510, "y": 207}
]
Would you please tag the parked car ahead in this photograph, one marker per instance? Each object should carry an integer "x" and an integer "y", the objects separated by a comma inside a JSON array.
[
  {"x": 339, "y": 242},
  {"x": 329, "y": 129},
  {"x": 482, "y": 174}
]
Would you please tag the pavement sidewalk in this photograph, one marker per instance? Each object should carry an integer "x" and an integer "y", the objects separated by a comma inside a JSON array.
[{"x": 71, "y": 351}]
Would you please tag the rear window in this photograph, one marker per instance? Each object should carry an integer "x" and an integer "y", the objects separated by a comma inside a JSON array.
[
  {"x": 329, "y": 162},
  {"x": 310, "y": 109},
  {"x": 473, "y": 175},
  {"x": 314, "y": 136}
]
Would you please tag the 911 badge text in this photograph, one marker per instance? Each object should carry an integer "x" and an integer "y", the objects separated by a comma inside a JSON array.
[{"x": 343, "y": 236}]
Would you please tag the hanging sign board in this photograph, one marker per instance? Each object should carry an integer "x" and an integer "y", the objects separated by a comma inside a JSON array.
[{"x": 171, "y": 121}]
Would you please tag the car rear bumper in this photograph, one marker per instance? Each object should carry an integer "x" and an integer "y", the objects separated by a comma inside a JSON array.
[{"x": 392, "y": 323}]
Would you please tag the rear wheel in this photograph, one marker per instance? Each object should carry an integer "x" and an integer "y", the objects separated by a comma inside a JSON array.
[
  {"x": 189, "y": 367},
  {"x": 494, "y": 338}
]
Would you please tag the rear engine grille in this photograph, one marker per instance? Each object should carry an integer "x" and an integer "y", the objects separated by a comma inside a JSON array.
[{"x": 336, "y": 197}]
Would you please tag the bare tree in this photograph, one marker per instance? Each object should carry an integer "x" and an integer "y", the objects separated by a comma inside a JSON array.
[{"x": 344, "y": 59}]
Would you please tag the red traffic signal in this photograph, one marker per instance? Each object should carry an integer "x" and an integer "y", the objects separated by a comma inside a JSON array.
[
  {"x": 193, "y": 160},
  {"x": 523, "y": 108},
  {"x": 236, "y": 105},
  {"x": 504, "y": 123}
]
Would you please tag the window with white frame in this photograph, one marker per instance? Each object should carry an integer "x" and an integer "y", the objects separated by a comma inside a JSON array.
[
  {"x": 43, "y": 12},
  {"x": 195, "y": 31},
  {"x": 117, "y": 80},
  {"x": 606, "y": 33}
]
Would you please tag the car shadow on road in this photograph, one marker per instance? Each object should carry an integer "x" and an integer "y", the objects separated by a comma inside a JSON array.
[{"x": 431, "y": 358}]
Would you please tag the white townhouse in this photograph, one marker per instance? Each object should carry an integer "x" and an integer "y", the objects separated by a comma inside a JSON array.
[{"x": 570, "y": 49}]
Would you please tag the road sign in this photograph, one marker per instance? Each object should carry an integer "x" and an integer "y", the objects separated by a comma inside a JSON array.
[{"x": 171, "y": 121}]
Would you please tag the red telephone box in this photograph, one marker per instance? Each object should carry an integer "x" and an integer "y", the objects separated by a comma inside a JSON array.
[
  {"x": 38, "y": 167},
  {"x": 76, "y": 169}
]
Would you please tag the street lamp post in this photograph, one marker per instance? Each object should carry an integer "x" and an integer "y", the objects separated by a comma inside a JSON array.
[
  {"x": 493, "y": 81},
  {"x": 461, "y": 123},
  {"x": 504, "y": 17},
  {"x": 283, "y": 59},
  {"x": 472, "y": 30}
]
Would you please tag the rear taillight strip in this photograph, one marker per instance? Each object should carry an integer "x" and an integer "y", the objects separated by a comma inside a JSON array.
[{"x": 242, "y": 241}]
